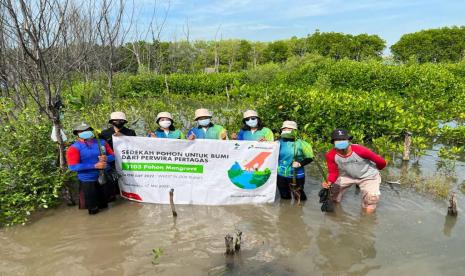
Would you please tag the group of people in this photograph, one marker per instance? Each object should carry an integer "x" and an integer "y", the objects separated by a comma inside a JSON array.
[{"x": 347, "y": 163}]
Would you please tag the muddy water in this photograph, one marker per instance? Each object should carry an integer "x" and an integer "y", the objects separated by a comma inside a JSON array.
[{"x": 409, "y": 235}]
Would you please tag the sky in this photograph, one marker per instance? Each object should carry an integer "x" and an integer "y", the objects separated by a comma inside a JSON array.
[{"x": 269, "y": 20}]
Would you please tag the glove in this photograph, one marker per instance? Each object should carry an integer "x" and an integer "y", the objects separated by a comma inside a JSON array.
[
  {"x": 323, "y": 194},
  {"x": 327, "y": 206}
]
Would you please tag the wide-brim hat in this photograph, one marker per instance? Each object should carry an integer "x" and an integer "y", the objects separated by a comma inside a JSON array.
[
  {"x": 164, "y": 115},
  {"x": 340, "y": 134},
  {"x": 202, "y": 112},
  {"x": 81, "y": 127},
  {"x": 117, "y": 115},
  {"x": 250, "y": 113},
  {"x": 289, "y": 124}
]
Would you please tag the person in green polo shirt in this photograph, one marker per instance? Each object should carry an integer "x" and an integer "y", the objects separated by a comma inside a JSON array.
[
  {"x": 253, "y": 128},
  {"x": 294, "y": 154},
  {"x": 205, "y": 129},
  {"x": 166, "y": 127}
]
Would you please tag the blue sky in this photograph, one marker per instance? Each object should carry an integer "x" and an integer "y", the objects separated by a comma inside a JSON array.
[{"x": 268, "y": 20}]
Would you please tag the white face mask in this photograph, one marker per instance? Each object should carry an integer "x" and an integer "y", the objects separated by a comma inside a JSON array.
[
  {"x": 204, "y": 122},
  {"x": 165, "y": 124},
  {"x": 252, "y": 122},
  {"x": 286, "y": 132}
]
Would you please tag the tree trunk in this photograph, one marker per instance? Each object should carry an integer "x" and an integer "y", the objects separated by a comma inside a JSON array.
[{"x": 407, "y": 143}]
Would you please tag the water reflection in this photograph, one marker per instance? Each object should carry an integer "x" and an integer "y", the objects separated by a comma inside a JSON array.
[
  {"x": 293, "y": 233},
  {"x": 346, "y": 242},
  {"x": 449, "y": 224}
]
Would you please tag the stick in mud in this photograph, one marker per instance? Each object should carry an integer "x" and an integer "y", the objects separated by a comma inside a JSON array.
[
  {"x": 173, "y": 209},
  {"x": 229, "y": 241},
  {"x": 452, "y": 209},
  {"x": 237, "y": 244}
]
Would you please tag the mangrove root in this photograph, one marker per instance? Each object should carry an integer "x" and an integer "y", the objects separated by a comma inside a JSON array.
[
  {"x": 452, "y": 209},
  {"x": 173, "y": 209}
]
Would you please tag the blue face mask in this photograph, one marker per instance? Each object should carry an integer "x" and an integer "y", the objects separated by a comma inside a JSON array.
[
  {"x": 86, "y": 135},
  {"x": 341, "y": 145},
  {"x": 204, "y": 122},
  {"x": 252, "y": 122}
]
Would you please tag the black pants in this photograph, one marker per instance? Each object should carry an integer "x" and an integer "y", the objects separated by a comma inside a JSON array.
[
  {"x": 92, "y": 196},
  {"x": 284, "y": 187}
]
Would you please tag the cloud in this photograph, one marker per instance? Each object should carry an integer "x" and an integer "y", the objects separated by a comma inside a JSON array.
[{"x": 274, "y": 19}]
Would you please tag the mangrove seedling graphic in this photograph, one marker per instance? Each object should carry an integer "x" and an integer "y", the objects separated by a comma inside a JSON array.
[{"x": 250, "y": 177}]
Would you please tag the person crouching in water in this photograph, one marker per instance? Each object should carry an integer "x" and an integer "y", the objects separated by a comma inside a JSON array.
[
  {"x": 85, "y": 158},
  {"x": 294, "y": 154},
  {"x": 166, "y": 127},
  {"x": 350, "y": 164}
]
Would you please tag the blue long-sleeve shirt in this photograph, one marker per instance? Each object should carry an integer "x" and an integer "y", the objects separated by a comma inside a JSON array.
[{"x": 83, "y": 155}]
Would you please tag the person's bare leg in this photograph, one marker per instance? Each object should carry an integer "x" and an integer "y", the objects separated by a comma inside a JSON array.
[{"x": 370, "y": 194}]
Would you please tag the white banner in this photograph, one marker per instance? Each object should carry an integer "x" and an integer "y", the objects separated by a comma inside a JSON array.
[{"x": 207, "y": 172}]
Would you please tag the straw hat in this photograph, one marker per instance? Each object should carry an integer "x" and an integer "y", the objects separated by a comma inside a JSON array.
[
  {"x": 118, "y": 115},
  {"x": 164, "y": 115},
  {"x": 289, "y": 124},
  {"x": 250, "y": 113},
  {"x": 202, "y": 112}
]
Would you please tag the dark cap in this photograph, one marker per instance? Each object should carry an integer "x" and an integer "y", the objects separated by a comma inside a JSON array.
[{"x": 340, "y": 134}]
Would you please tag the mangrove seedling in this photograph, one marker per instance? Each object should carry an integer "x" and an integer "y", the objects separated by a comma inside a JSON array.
[{"x": 156, "y": 254}]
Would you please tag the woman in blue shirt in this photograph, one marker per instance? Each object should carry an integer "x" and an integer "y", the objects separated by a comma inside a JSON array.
[
  {"x": 253, "y": 128},
  {"x": 88, "y": 157}
]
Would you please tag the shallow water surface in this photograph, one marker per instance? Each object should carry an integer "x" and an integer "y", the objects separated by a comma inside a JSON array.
[{"x": 409, "y": 234}]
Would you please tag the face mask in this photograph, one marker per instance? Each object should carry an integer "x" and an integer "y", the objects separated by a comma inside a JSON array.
[
  {"x": 86, "y": 134},
  {"x": 341, "y": 145},
  {"x": 204, "y": 122},
  {"x": 165, "y": 124},
  {"x": 252, "y": 122},
  {"x": 118, "y": 124}
]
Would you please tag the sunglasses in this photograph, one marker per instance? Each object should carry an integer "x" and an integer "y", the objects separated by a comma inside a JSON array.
[{"x": 250, "y": 118}]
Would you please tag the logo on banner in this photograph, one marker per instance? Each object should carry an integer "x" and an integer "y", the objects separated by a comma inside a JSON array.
[{"x": 250, "y": 177}]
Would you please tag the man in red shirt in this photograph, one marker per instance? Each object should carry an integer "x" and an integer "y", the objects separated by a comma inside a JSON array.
[{"x": 350, "y": 164}]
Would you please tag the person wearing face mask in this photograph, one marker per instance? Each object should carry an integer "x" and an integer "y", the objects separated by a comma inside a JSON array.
[
  {"x": 85, "y": 158},
  {"x": 294, "y": 154},
  {"x": 166, "y": 127},
  {"x": 350, "y": 164},
  {"x": 205, "y": 129},
  {"x": 118, "y": 121},
  {"x": 253, "y": 128}
]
